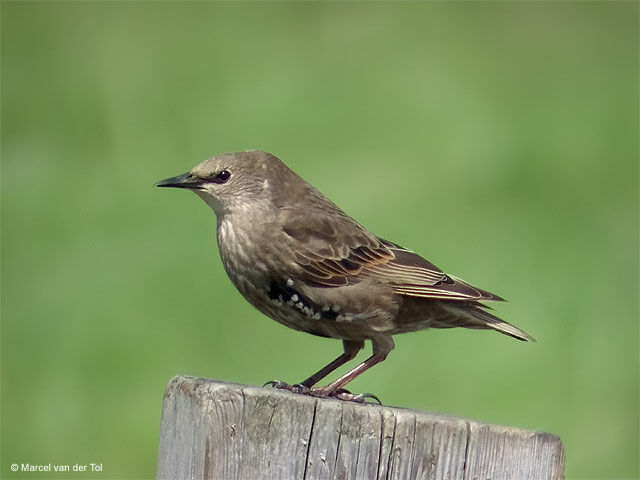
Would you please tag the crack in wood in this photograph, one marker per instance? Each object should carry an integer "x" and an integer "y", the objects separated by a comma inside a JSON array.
[
  {"x": 313, "y": 423},
  {"x": 335, "y": 460},
  {"x": 466, "y": 450}
]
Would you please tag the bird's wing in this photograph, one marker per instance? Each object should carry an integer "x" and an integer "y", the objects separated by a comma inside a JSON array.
[
  {"x": 333, "y": 250},
  {"x": 410, "y": 274}
]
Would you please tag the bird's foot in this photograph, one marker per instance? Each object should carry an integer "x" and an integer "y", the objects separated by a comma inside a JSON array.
[
  {"x": 324, "y": 392},
  {"x": 297, "y": 388},
  {"x": 345, "y": 395},
  {"x": 360, "y": 397}
]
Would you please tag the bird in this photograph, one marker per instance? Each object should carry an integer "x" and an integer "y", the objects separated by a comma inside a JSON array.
[{"x": 301, "y": 260}]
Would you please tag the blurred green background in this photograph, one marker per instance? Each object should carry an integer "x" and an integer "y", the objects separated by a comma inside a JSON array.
[{"x": 499, "y": 140}]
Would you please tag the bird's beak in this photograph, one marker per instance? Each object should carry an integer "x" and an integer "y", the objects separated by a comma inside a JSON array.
[{"x": 186, "y": 180}]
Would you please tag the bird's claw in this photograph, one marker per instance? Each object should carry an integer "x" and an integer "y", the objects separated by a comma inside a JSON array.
[
  {"x": 273, "y": 383},
  {"x": 361, "y": 398},
  {"x": 347, "y": 396},
  {"x": 323, "y": 392},
  {"x": 297, "y": 388}
]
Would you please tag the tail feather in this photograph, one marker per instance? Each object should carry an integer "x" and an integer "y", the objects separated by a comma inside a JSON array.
[{"x": 491, "y": 321}]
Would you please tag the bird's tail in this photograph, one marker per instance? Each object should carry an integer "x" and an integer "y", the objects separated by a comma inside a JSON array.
[{"x": 487, "y": 320}]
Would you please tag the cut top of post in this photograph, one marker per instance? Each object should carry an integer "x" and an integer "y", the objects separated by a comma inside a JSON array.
[{"x": 219, "y": 430}]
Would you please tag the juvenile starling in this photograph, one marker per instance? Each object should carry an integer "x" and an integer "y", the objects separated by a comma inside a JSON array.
[{"x": 299, "y": 259}]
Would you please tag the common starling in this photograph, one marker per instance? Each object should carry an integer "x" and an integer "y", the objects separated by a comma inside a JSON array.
[{"x": 299, "y": 259}]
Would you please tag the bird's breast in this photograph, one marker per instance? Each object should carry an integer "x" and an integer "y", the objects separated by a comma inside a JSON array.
[{"x": 239, "y": 251}]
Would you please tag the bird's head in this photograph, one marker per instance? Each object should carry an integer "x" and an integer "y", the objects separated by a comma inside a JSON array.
[{"x": 232, "y": 181}]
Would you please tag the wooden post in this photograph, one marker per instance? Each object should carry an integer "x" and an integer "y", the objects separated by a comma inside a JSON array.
[{"x": 218, "y": 430}]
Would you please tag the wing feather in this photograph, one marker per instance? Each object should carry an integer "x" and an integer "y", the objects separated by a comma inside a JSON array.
[{"x": 332, "y": 250}]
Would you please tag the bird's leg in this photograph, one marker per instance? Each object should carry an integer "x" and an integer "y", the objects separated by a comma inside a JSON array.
[
  {"x": 381, "y": 348},
  {"x": 351, "y": 349},
  {"x": 336, "y": 389}
]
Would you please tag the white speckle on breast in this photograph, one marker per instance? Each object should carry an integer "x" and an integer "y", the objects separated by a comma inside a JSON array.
[{"x": 347, "y": 317}]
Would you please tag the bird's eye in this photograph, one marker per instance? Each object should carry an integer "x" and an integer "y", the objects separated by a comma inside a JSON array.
[{"x": 222, "y": 177}]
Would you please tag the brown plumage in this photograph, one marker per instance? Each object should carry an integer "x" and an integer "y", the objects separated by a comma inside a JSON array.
[{"x": 302, "y": 261}]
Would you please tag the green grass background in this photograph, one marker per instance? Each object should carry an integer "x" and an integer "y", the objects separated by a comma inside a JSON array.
[{"x": 499, "y": 140}]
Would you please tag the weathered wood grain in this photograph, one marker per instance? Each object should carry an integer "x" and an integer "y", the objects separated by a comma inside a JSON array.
[{"x": 218, "y": 430}]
